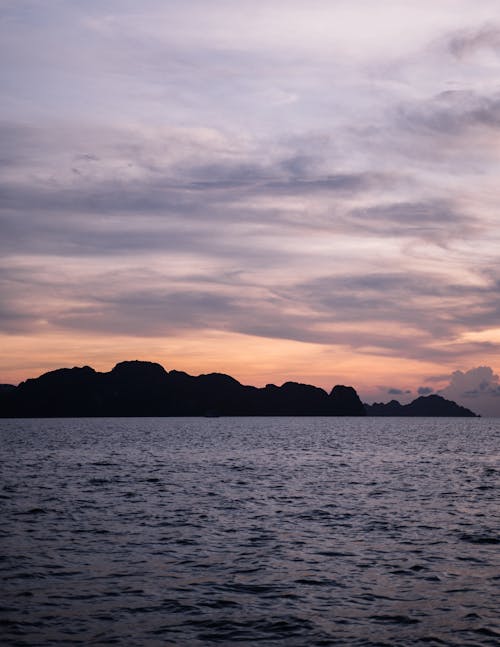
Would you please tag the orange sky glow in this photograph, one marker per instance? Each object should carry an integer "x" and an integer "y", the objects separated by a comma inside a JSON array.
[{"x": 251, "y": 360}]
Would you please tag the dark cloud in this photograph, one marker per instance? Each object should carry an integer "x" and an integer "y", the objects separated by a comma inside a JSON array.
[
  {"x": 141, "y": 301},
  {"x": 469, "y": 41},
  {"x": 387, "y": 296},
  {"x": 164, "y": 195},
  {"x": 149, "y": 313},
  {"x": 14, "y": 319},
  {"x": 418, "y": 214},
  {"x": 342, "y": 183},
  {"x": 435, "y": 221},
  {"x": 115, "y": 192},
  {"x": 154, "y": 311},
  {"x": 405, "y": 299},
  {"x": 395, "y": 391},
  {"x": 425, "y": 390},
  {"x": 451, "y": 113},
  {"x": 301, "y": 164}
]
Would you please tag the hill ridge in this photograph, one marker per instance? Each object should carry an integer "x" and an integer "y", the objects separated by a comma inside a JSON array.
[{"x": 140, "y": 388}]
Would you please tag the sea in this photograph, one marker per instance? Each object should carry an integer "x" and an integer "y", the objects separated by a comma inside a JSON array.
[{"x": 255, "y": 531}]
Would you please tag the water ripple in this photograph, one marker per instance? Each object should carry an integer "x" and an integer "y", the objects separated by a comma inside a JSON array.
[{"x": 267, "y": 531}]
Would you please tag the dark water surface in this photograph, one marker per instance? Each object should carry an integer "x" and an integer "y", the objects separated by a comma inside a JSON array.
[{"x": 261, "y": 531}]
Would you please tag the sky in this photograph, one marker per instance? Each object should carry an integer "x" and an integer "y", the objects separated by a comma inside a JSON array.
[{"x": 279, "y": 190}]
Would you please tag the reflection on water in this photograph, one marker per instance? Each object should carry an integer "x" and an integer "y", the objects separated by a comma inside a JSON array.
[{"x": 269, "y": 531}]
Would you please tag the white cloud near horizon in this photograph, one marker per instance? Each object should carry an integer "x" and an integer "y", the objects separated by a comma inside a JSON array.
[{"x": 477, "y": 388}]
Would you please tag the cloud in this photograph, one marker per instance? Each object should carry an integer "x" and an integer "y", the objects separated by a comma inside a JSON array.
[
  {"x": 434, "y": 221},
  {"x": 475, "y": 381},
  {"x": 425, "y": 390},
  {"x": 168, "y": 300},
  {"x": 221, "y": 206},
  {"x": 395, "y": 391},
  {"x": 470, "y": 41},
  {"x": 335, "y": 182},
  {"x": 127, "y": 171},
  {"x": 385, "y": 296},
  {"x": 452, "y": 113},
  {"x": 477, "y": 388}
]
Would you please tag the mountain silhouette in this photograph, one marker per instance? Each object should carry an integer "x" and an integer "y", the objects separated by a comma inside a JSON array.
[
  {"x": 430, "y": 405},
  {"x": 136, "y": 388}
]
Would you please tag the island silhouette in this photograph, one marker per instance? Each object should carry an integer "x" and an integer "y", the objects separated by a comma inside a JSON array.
[{"x": 137, "y": 388}]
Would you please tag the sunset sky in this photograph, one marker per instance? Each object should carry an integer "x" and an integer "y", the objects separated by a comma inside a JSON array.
[{"x": 280, "y": 190}]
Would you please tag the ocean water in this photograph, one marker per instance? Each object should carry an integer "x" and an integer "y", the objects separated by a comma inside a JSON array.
[{"x": 257, "y": 531}]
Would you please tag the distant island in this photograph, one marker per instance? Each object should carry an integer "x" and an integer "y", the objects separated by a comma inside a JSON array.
[
  {"x": 429, "y": 405},
  {"x": 136, "y": 388}
]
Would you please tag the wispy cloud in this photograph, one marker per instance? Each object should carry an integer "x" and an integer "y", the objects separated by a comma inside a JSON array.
[{"x": 472, "y": 40}]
